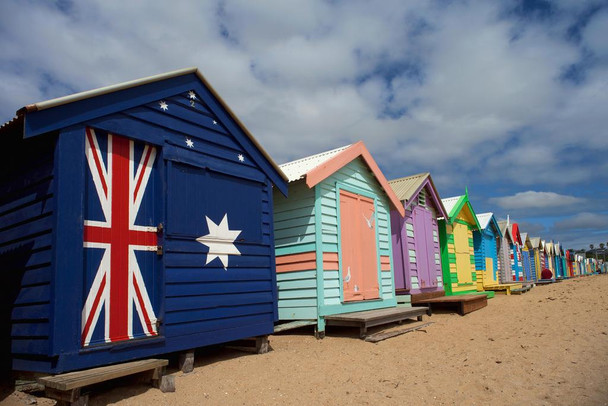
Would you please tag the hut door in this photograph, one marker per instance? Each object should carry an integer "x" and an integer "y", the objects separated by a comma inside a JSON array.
[
  {"x": 358, "y": 245},
  {"x": 425, "y": 247},
  {"x": 463, "y": 254},
  {"x": 488, "y": 275},
  {"x": 121, "y": 267}
]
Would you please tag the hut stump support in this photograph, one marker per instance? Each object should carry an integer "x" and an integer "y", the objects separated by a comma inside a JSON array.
[
  {"x": 319, "y": 334},
  {"x": 261, "y": 345},
  {"x": 186, "y": 361}
]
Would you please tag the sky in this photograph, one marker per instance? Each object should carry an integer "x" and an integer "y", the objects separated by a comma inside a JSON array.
[{"x": 506, "y": 98}]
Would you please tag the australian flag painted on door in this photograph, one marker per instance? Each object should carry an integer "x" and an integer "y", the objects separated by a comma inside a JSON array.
[{"x": 120, "y": 239}]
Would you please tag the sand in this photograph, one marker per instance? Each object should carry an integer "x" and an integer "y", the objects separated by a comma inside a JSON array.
[{"x": 546, "y": 347}]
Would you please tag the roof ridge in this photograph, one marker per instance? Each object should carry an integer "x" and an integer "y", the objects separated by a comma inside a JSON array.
[
  {"x": 311, "y": 157},
  {"x": 418, "y": 175}
]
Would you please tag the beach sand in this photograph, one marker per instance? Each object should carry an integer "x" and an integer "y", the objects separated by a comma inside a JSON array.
[{"x": 548, "y": 346}]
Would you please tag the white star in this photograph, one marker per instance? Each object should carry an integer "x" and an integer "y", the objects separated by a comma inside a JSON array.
[
  {"x": 192, "y": 95},
  {"x": 189, "y": 143},
  {"x": 241, "y": 158},
  {"x": 220, "y": 241},
  {"x": 163, "y": 105},
  {"x": 214, "y": 122}
]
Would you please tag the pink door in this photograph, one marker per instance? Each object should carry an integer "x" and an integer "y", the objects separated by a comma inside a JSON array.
[{"x": 358, "y": 244}]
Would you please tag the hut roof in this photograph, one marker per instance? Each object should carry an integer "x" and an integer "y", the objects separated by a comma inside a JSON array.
[
  {"x": 484, "y": 219},
  {"x": 316, "y": 168},
  {"x": 535, "y": 242},
  {"x": 454, "y": 205},
  {"x": 32, "y": 128},
  {"x": 408, "y": 187}
]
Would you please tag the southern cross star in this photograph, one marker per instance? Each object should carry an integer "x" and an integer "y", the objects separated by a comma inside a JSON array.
[
  {"x": 192, "y": 95},
  {"x": 189, "y": 143},
  {"x": 220, "y": 241},
  {"x": 163, "y": 105}
]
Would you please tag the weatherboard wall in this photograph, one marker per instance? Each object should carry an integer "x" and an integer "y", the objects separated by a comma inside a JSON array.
[
  {"x": 458, "y": 256},
  {"x": 486, "y": 257},
  {"x": 416, "y": 248},
  {"x": 537, "y": 262},
  {"x": 205, "y": 167},
  {"x": 27, "y": 222},
  {"x": 295, "y": 248}
]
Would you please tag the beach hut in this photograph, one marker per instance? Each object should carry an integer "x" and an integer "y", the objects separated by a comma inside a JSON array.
[
  {"x": 415, "y": 237},
  {"x": 570, "y": 263},
  {"x": 486, "y": 243},
  {"x": 136, "y": 220},
  {"x": 549, "y": 258},
  {"x": 332, "y": 237},
  {"x": 537, "y": 255},
  {"x": 528, "y": 258},
  {"x": 557, "y": 261},
  {"x": 516, "y": 253},
  {"x": 562, "y": 254},
  {"x": 457, "y": 249},
  {"x": 506, "y": 252}
]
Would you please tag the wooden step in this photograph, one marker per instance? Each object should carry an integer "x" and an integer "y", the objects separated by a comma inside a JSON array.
[
  {"x": 371, "y": 318},
  {"x": 66, "y": 387},
  {"x": 463, "y": 304}
]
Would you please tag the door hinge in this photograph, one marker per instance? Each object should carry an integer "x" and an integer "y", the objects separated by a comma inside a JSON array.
[{"x": 159, "y": 250}]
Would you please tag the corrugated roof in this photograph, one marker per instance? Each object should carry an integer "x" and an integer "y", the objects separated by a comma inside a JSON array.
[
  {"x": 484, "y": 219},
  {"x": 138, "y": 82},
  {"x": 296, "y": 170},
  {"x": 406, "y": 187},
  {"x": 449, "y": 203}
]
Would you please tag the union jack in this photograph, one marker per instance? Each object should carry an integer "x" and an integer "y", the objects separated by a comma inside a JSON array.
[{"x": 118, "y": 285}]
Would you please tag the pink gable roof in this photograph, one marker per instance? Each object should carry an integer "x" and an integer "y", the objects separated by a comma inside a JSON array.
[{"x": 337, "y": 159}]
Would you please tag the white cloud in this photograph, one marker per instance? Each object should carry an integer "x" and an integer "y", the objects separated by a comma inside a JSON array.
[
  {"x": 481, "y": 105},
  {"x": 583, "y": 221},
  {"x": 535, "y": 200}
]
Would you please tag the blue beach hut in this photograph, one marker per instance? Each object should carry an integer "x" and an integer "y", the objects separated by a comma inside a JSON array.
[{"x": 135, "y": 220}]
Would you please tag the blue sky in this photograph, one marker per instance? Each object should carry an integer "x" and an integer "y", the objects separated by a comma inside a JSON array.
[{"x": 508, "y": 98}]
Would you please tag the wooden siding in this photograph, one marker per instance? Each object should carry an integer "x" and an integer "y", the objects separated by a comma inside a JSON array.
[
  {"x": 295, "y": 242},
  {"x": 294, "y": 220},
  {"x": 411, "y": 250},
  {"x": 458, "y": 250},
  {"x": 27, "y": 206},
  {"x": 486, "y": 258},
  {"x": 209, "y": 299}
]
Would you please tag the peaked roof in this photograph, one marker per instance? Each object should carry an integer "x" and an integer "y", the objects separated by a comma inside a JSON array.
[
  {"x": 484, "y": 219},
  {"x": 316, "y": 168},
  {"x": 408, "y": 187},
  {"x": 514, "y": 229},
  {"x": 504, "y": 229},
  {"x": 454, "y": 205},
  {"x": 450, "y": 202},
  {"x": 536, "y": 243},
  {"x": 33, "y": 128},
  {"x": 296, "y": 170},
  {"x": 526, "y": 240}
]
